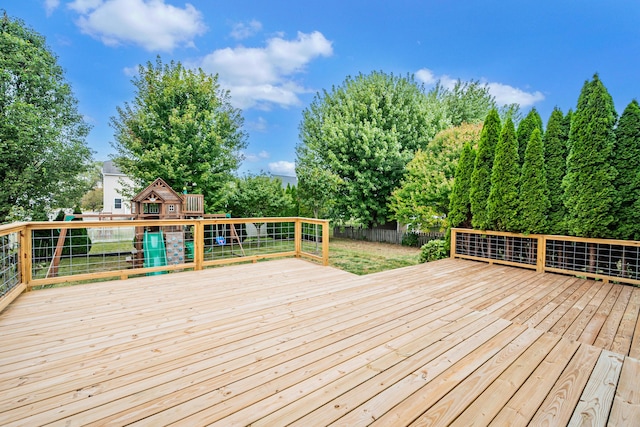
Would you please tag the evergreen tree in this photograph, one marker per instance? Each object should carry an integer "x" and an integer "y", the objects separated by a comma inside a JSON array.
[
  {"x": 534, "y": 203},
  {"x": 525, "y": 129},
  {"x": 555, "y": 164},
  {"x": 481, "y": 176},
  {"x": 588, "y": 185},
  {"x": 626, "y": 159},
  {"x": 460, "y": 205},
  {"x": 502, "y": 205}
]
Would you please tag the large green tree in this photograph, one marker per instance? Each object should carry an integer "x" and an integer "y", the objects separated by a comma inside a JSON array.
[
  {"x": 589, "y": 194},
  {"x": 460, "y": 205},
  {"x": 526, "y": 127},
  {"x": 626, "y": 159},
  {"x": 364, "y": 132},
  {"x": 555, "y": 142},
  {"x": 466, "y": 102},
  {"x": 317, "y": 184},
  {"x": 43, "y": 152},
  {"x": 423, "y": 197},
  {"x": 502, "y": 204},
  {"x": 481, "y": 176},
  {"x": 256, "y": 196},
  {"x": 182, "y": 128},
  {"x": 93, "y": 200},
  {"x": 533, "y": 201}
]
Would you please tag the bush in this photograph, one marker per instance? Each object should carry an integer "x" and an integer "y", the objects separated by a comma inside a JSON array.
[
  {"x": 433, "y": 250},
  {"x": 410, "y": 239}
]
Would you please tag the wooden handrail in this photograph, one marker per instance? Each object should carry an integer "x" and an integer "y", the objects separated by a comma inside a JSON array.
[
  {"x": 24, "y": 235},
  {"x": 582, "y": 256}
]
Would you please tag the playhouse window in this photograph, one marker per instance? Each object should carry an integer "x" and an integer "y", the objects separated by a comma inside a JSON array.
[
  {"x": 117, "y": 204},
  {"x": 151, "y": 208},
  {"x": 171, "y": 208}
]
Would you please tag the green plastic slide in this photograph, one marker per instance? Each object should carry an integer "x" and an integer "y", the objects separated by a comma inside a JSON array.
[{"x": 154, "y": 251}]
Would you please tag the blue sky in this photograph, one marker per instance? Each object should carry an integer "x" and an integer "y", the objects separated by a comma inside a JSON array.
[{"x": 275, "y": 55}]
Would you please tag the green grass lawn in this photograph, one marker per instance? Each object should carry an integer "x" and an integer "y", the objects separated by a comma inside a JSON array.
[
  {"x": 362, "y": 257},
  {"x": 111, "y": 247}
]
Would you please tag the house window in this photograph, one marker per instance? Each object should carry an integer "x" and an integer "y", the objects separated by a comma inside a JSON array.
[
  {"x": 117, "y": 204},
  {"x": 171, "y": 208}
]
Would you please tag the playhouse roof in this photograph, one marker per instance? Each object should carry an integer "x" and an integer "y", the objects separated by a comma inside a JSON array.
[{"x": 161, "y": 191}]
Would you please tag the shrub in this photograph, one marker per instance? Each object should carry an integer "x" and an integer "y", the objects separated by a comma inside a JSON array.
[
  {"x": 433, "y": 250},
  {"x": 410, "y": 239}
]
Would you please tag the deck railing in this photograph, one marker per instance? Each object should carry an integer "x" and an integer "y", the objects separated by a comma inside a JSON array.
[
  {"x": 38, "y": 254},
  {"x": 605, "y": 259}
]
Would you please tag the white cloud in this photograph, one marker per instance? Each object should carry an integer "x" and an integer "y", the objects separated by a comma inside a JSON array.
[
  {"x": 262, "y": 77},
  {"x": 283, "y": 168},
  {"x": 503, "y": 94},
  {"x": 51, "y": 5},
  {"x": 259, "y": 125},
  {"x": 151, "y": 24},
  {"x": 253, "y": 158},
  {"x": 84, "y": 6},
  {"x": 426, "y": 76},
  {"x": 506, "y": 94},
  {"x": 243, "y": 30},
  {"x": 130, "y": 71}
]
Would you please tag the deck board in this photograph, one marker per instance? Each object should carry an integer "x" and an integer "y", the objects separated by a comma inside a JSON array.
[{"x": 288, "y": 342}]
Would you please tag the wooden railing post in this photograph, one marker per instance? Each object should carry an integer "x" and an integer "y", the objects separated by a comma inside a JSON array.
[
  {"x": 453, "y": 237},
  {"x": 25, "y": 256},
  {"x": 298, "y": 237},
  {"x": 325, "y": 243},
  {"x": 542, "y": 253},
  {"x": 198, "y": 244}
]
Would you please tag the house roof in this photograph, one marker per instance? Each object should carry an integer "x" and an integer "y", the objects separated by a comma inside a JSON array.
[
  {"x": 161, "y": 191},
  {"x": 110, "y": 168}
]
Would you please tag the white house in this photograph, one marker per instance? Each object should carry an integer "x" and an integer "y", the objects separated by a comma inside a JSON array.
[{"x": 112, "y": 182}]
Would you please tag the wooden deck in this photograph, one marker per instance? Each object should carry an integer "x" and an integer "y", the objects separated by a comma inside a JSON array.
[{"x": 289, "y": 342}]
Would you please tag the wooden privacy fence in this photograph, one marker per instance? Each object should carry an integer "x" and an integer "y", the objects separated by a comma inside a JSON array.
[
  {"x": 45, "y": 253},
  {"x": 384, "y": 236},
  {"x": 605, "y": 259}
]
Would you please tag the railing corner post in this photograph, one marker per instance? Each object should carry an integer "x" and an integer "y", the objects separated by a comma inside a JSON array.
[
  {"x": 453, "y": 235},
  {"x": 25, "y": 257}
]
